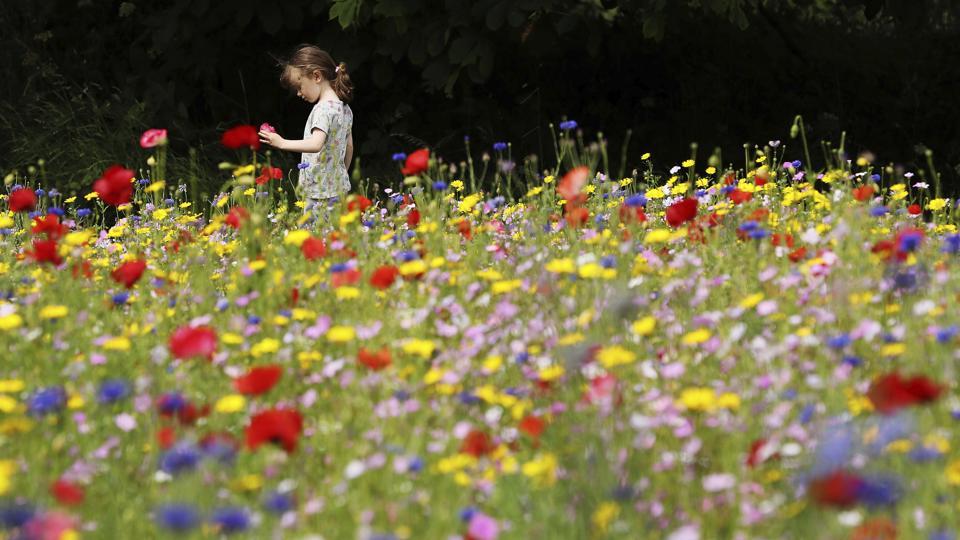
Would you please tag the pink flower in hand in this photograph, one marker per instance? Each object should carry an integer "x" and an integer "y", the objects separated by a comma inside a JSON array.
[
  {"x": 268, "y": 128},
  {"x": 153, "y": 137}
]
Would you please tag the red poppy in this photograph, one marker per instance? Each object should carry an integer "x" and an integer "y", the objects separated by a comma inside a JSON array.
[
  {"x": 739, "y": 197},
  {"x": 115, "y": 186},
  {"x": 358, "y": 202},
  {"x": 681, "y": 212},
  {"x": 476, "y": 443},
  {"x": 67, "y": 493},
  {"x": 23, "y": 200},
  {"x": 189, "y": 414},
  {"x": 463, "y": 227},
  {"x": 347, "y": 277},
  {"x": 83, "y": 268},
  {"x": 532, "y": 426},
  {"x": 269, "y": 173},
  {"x": 572, "y": 182},
  {"x": 417, "y": 162},
  {"x": 780, "y": 239},
  {"x": 890, "y": 393},
  {"x": 798, "y": 254},
  {"x": 50, "y": 226},
  {"x": 237, "y": 216},
  {"x": 838, "y": 489},
  {"x": 240, "y": 137},
  {"x": 413, "y": 218},
  {"x": 914, "y": 210},
  {"x": 45, "y": 251},
  {"x": 632, "y": 214},
  {"x": 863, "y": 193},
  {"x": 129, "y": 272},
  {"x": 759, "y": 453},
  {"x": 189, "y": 342},
  {"x": 258, "y": 380},
  {"x": 576, "y": 215},
  {"x": 384, "y": 276},
  {"x": 760, "y": 181},
  {"x": 279, "y": 426},
  {"x": 374, "y": 360},
  {"x": 313, "y": 248},
  {"x": 166, "y": 436}
]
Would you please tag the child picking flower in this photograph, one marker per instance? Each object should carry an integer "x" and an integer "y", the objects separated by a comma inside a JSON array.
[{"x": 327, "y": 144}]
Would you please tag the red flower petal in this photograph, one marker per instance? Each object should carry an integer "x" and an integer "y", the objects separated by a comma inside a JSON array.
[
  {"x": 67, "y": 493},
  {"x": 129, "y": 272},
  {"x": 280, "y": 426},
  {"x": 189, "y": 342},
  {"x": 532, "y": 426},
  {"x": 681, "y": 212},
  {"x": 115, "y": 186},
  {"x": 417, "y": 162},
  {"x": 838, "y": 489},
  {"x": 384, "y": 276},
  {"x": 891, "y": 392},
  {"x": 863, "y": 193},
  {"x": 476, "y": 443},
  {"x": 23, "y": 200},
  {"x": 374, "y": 360},
  {"x": 258, "y": 380},
  {"x": 313, "y": 248},
  {"x": 240, "y": 137},
  {"x": 572, "y": 182},
  {"x": 45, "y": 251}
]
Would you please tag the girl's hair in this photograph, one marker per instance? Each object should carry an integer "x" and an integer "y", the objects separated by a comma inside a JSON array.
[{"x": 310, "y": 59}]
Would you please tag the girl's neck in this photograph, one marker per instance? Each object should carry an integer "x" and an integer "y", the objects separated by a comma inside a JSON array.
[{"x": 327, "y": 93}]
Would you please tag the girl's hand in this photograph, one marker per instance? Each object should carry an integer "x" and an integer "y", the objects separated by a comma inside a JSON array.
[{"x": 272, "y": 138}]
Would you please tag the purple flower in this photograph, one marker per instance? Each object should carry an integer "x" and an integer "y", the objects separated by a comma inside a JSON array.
[
  {"x": 568, "y": 125},
  {"x": 177, "y": 517},
  {"x": 501, "y": 146}
]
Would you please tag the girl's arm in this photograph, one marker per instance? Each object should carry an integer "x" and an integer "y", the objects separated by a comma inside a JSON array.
[
  {"x": 349, "y": 154},
  {"x": 309, "y": 145}
]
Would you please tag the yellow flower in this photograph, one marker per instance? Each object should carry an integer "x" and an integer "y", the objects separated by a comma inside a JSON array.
[
  {"x": 751, "y": 300},
  {"x": 937, "y": 204},
  {"x": 10, "y": 321},
  {"x": 549, "y": 179},
  {"x": 550, "y": 373},
  {"x": 265, "y": 346},
  {"x": 699, "y": 399},
  {"x": 341, "y": 334},
  {"x": 346, "y": 293},
  {"x": 697, "y": 336},
  {"x": 711, "y": 170},
  {"x": 77, "y": 238},
  {"x": 248, "y": 482},
  {"x": 230, "y": 404},
  {"x": 645, "y": 156},
  {"x": 6, "y": 222},
  {"x": 457, "y": 185},
  {"x": 258, "y": 264},
  {"x": 542, "y": 469},
  {"x": 419, "y": 347},
  {"x": 11, "y": 386},
  {"x": 655, "y": 193},
  {"x": 492, "y": 363},
  {"x": 468, "y": 202},
  {"x": 728, "y": 400},
  {"x": 412, "y": 268},
  {"x": 615, "y": 355},
  {"x": 561, "y": 266},
  {"x": 156, "y": 186},
  {"x": 230, "y": 338},
  {"x": 53, "y": 312},
  {"x": 953, "y": 472},
  {"x": 8, "y": 404},
  {"x": 500, "y": 287},
  {"x": 296, "y": 237},
  {"x": 604, "y": 515},
  {"x": 489, "y": 274},
  {"x": 658, "y": 236},
  {"x": 644, "y": 326},
  {"x": 119, "y": 343},
  {"x": 570, "y": 339},
  {"x": 687, "y": 163},
  {"x": 160, "y": 214},
  {"x": 893, "y": 349}
]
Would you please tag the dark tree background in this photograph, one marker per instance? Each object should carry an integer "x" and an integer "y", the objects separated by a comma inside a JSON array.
[{"x": 83, "y": 78}]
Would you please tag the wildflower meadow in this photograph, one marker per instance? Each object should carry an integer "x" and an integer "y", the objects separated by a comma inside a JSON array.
[{"x": 562, "y": 348}]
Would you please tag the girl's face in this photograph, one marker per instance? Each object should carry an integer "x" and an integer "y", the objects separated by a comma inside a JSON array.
[{"x": 308, "y": 86}]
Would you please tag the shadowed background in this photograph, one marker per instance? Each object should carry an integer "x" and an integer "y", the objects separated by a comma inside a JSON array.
[{"x": 718, "y": 72}]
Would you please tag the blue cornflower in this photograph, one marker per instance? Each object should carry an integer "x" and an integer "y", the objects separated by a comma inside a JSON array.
[
  {"x": 40, "y": 192},
  {"x": 84, "y": 212},
  {"x": 16, "y": 515},
  {"x": 905, "y": 280},
  {"x": 399, "y": 156},
  {"x": 758, "y": 234},
  {"x": 171, "y": 402},
  {"x": 410, "y": 234},
  {"x": 254, "y": 319},
  {"x": 852, "y": 361},
  {"x": 222, "y": 304},
  {"x": 468, "y": 398},
  {"x": 501, "y": 146},
  {"x": 942, "y": 535},
  {"x": 807, "y": 413},
  {"x": 231, "y": 519},
  {"x": 277, "y": 502},
  {"x": 878, "y": 211},
  {"x": 522, "y": 358},
  {"x": 55, "y": 210},
  {"x": 748, "y": 226},
  {"x": 286, "y": 313},
  {"x": 396, "y": 198},
  {"x": 401, "y": 395},
  {"x": 415, "y": 465},
  {"x": 120, "y": 298},
  {"x": 35, "y": 214},
  {"x": 833, "y": 451},
  {"x": 796, "y": 164},
  {"x": 951, "y": 244},
  {"x": 909, "y": 241},
  {"x": 608, "y": 261},
  {"x": 113, "y": 390},
  {"x": 172, "y": 302},
  {"x": 53, "y": 192},
  {"x": 568, "y": 125},
  {"x": 439, "y": 185},
  {"x": 47, "y": 400},
  {"x": 923, "y": 454},
  {"x": 467, "y": 514},
  {"x": 338, "y": 267},
  {"x": 880, "y": 491},
  {"x": 176, "y": 517},
  {"x": 635, "y": 200},
  {"x": 839, "y": 342},
  {"x": 182, "y": 457},
  {"x": 369, "y": 223},
  {"x": 945, "y": 335},
  {"x": 169, "y": 202},
  {"x": 875, "y": 177},
  {"x": 143, "y": 181}
]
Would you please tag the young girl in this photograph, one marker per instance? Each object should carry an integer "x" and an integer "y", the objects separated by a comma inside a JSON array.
[{"x": 327, "y": 144}]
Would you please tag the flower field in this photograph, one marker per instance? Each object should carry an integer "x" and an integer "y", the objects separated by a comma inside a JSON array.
[{"x": 766, "y": 352}]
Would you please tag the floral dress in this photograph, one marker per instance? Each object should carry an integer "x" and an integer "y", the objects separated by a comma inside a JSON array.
[{"x": 323, "y": 174}]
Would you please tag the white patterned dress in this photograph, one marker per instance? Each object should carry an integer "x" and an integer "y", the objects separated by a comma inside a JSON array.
[{"x": 325, "y": 174}]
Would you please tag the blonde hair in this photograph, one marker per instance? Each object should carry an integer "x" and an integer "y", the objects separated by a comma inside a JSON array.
[{"x": 310, "y": 59}]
